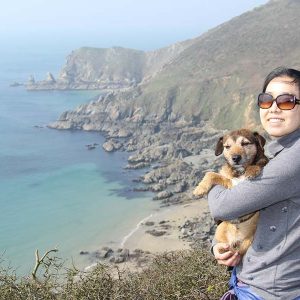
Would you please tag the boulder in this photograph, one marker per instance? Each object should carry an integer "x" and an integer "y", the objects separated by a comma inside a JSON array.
[
  {"x": 111, "y": 146},
  {"x": 180, "y": 187},
  {"x": 122, "y": 256},
  {"x": 50, "y": 78},
  {"x": 105, "y": 252},
  {"x": 158, "y": 187},
  {"x": 149, "y": 223},
  {"x": 155, "y": 232},
  {"x": 140, "y": 165},
  {"x": 163, "y": 195},
  {"x": 123, "y": 133}
]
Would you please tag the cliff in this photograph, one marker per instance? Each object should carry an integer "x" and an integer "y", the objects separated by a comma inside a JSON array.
[
  {"x": 108, "y": 69},
  {"x": 214, "y": 78}
]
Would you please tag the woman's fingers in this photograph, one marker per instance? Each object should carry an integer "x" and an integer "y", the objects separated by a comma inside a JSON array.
[
  {"x": 219, "y": 249},
  {"x": 233, "y": 260},
  {"x": 224, "y": 256}
]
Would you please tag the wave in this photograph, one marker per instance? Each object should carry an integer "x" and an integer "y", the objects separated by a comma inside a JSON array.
[{"x": 134, "y": 230}]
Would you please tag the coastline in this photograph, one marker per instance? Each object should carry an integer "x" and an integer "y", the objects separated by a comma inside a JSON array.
[
  {"x": 161, "y": 232},
  {"x": 153, "y": 167},
  {"x": 168, "y": 220}
]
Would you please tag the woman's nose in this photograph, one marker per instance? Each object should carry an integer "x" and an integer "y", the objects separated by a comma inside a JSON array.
[{"x": 274, "y": 107}]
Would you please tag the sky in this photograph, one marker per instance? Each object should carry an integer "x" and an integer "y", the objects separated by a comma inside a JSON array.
[{"x": 138, "y": 24}]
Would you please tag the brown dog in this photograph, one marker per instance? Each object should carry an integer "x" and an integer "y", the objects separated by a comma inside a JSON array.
[{"x": 244, "y": 154}]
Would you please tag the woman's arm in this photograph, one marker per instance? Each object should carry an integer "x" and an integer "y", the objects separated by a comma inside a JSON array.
[{"x": 279, "y": 180}]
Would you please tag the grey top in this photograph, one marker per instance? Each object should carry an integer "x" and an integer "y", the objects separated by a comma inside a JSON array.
[{"x": 271, "y": 265}]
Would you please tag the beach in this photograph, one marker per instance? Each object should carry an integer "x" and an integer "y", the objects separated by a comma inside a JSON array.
[
  {"x": 165, "y": 230},
  {"x": 168, "y": 220}
]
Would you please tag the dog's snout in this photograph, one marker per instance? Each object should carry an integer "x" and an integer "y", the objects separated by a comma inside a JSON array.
[{"x": 236, "y": 158}]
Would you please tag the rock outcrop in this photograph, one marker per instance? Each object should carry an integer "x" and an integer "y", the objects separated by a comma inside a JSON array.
[{"x": 48, "y": 84}]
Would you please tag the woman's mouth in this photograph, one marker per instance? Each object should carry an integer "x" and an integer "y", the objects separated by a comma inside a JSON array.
[{"x": 275, "y": 120}]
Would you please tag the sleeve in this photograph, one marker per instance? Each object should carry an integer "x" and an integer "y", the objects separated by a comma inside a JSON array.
[
  {"x": 213, "y": 243},
  {"x": 278, "y": 181}
]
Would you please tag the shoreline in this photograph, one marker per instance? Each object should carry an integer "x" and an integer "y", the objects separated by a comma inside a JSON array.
[
  {"x": 160, "y": 232},
  {"x": 168, "y": 220},
  {"x": 136, "y": 229}
]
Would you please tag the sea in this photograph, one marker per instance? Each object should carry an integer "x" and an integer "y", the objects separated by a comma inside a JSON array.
[{"x": 54, "y": 192}]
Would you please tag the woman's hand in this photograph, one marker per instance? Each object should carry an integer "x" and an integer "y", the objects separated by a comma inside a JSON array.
[{"x": 224, "y": 256}]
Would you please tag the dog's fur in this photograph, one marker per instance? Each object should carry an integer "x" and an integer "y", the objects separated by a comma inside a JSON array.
[{"x": 245, "y": 158}]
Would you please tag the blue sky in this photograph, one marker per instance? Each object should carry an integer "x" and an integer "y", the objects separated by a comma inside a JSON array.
[{"x": 136, "y": 24}]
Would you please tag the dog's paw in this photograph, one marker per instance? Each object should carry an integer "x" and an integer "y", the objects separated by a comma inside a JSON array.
[
  {"x": 252, "y": 171},
  {"x": 200, "y": 191}
]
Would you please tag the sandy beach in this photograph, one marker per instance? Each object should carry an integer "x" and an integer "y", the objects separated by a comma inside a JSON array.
[
  {"x": 164, "y": 225},
  {"x": 163, "y": 231}
]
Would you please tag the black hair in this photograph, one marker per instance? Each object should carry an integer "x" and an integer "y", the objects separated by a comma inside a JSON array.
[{"x": 281, "y": 72}]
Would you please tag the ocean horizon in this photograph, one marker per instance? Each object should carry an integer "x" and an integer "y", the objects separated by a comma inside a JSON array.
[{"x": 54, "y": 191}]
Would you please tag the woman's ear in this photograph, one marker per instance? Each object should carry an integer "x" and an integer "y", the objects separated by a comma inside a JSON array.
[
  {"x": 219, "y": 147},
  {"x": 261, "y": 140}
]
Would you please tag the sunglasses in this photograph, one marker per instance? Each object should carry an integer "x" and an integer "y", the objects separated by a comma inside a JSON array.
[{"x": 283, "y": 102}]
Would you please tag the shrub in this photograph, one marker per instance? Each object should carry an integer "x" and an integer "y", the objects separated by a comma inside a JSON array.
[{"x": 192, "y": 275}]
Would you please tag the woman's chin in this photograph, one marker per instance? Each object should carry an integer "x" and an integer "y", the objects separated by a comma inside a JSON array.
[{"x": 279, "y": 131}]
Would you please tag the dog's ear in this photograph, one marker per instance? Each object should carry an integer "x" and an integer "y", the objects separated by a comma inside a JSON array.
[
  {"x": 260, "y": 159},
  {"x": 260, "y": 139},
  {"x": 219, "y": 147}
]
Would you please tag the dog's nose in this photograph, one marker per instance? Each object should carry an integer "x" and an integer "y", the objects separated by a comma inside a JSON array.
[{"x": 236, "y": 158}]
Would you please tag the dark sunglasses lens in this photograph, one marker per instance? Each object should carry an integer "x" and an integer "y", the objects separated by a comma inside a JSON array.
[
  {"x": 265, "y": 101},
  {"x": 286, "y": 102}
]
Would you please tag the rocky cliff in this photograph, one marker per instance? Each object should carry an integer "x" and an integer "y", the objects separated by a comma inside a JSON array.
[
  {"x": 108, "y": 69},
  {"x": 213, "y": 78}
]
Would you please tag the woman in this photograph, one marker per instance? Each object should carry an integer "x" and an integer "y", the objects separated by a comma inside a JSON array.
[{"x": 271, "y": 267}]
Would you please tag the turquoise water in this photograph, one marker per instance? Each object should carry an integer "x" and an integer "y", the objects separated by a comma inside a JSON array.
[{"x": 55, "y": 192}]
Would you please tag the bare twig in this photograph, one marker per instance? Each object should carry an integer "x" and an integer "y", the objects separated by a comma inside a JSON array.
[{"x": 39, "y": 261}]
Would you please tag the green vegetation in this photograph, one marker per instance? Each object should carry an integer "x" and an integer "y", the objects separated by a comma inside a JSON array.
[
  {"x": 177, "y": 275},
  {"x": 213, "y": 78}
]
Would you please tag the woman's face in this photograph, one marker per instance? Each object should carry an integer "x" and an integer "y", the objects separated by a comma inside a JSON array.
[{"x": 279, "y": 122}]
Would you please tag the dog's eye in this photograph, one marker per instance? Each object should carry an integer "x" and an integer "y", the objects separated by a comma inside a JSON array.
[
  {"x": 227, "y": 147},
  {"x": 246, "y": 143}
]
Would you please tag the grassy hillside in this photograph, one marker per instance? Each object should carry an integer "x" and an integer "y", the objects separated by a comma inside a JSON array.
[{"x": 218, "y": 76}]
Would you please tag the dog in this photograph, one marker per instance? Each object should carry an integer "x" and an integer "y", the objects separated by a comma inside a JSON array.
[{"x": 245, "y": 158}]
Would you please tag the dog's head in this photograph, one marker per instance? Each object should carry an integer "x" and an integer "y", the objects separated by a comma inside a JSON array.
[{"x": 241, "y": 147}]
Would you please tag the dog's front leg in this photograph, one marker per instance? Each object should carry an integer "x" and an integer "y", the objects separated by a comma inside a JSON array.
[
  {"x": 252, "y": 171},
  {"x": 245, "y": 245},
  {"x": 210, "y": 179}
]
